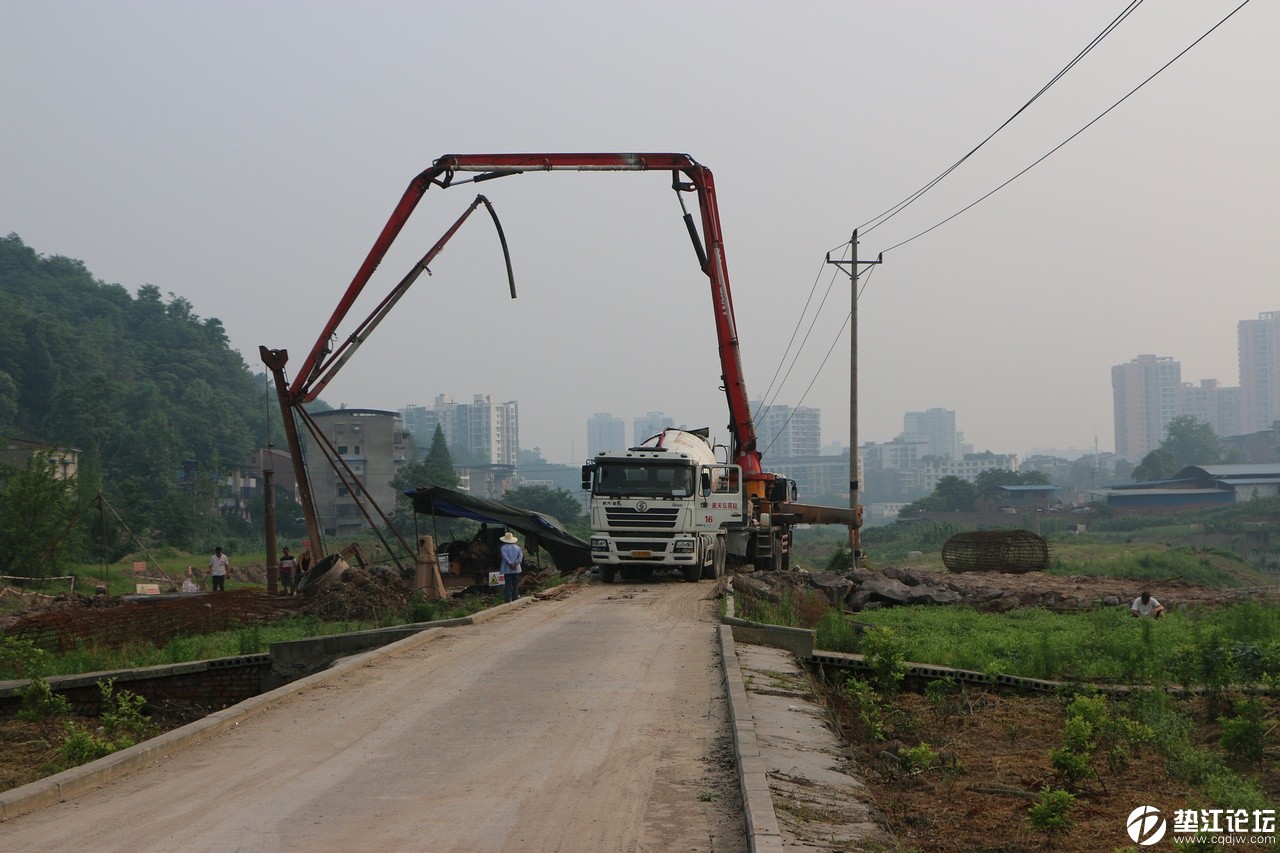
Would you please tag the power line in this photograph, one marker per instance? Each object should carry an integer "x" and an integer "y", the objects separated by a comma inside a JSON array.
[
  {"x": 765, "y": 400},
  {"x": 877, "y": 221},
  {"x": 1064, "y": 142}
]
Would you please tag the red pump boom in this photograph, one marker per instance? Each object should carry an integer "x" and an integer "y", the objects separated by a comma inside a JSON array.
[{"x": 443, "y": 173}]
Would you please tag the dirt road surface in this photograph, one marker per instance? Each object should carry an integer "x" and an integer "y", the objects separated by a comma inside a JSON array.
[{"x": 594, "y": 722}]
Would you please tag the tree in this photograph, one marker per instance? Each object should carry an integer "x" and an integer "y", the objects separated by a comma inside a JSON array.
[
  {"x": 557, "y": 503},
  {"x": 434, "y": 470},
  {"x": 1159, "y": 464},
  {"x": 952, "y": 494},
  {"x": 993, "y": 478},
  {"x": 36, "y": 507},
  {"x": 1191, "y": 442},
  {"x": 1187, "y": 442}
]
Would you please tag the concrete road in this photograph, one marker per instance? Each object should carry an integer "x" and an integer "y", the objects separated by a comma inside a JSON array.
[{"x": 596, "y": 722}]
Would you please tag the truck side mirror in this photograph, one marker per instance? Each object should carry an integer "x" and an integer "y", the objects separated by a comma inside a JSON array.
[
  {"x": 586, "y": 477},
  {"x": 706, "y": 482}
]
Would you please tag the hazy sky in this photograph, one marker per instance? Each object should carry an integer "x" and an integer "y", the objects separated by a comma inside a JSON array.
[{"x": 245, "y": 156}]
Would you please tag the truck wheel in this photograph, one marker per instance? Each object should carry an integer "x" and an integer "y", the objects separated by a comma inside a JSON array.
[
  {"x": 606, "y": 574},
  {"x": 692, "y": 573},
  {"x": 716, "y": 569}
]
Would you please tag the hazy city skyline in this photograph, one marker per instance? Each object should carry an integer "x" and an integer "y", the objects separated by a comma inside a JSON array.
[{"x": 244, "y": 156}]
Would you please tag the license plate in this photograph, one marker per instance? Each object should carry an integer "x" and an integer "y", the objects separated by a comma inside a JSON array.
[{"x": 642, "y": 553}]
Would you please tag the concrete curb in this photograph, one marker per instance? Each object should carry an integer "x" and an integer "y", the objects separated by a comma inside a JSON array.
[
  {"x": 763, "y": 832},
  {"x": 77, "y": 780}
]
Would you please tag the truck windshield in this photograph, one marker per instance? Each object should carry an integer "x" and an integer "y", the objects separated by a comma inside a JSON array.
[{"x": 623, "y": 480}]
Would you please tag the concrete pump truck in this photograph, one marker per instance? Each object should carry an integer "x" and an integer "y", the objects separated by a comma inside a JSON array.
[{"x": 671, "y": 503}]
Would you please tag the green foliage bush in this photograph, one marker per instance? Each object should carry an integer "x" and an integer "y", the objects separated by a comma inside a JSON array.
[
  {"x": 884, "y": 652},
  {"x": 1051, "y": 815},
  {"x": 1243, "y": 735},
  {"x": 21, "y": 659},
  {"x": 866, "y": 704},
  {"x": 122, "y": 719},
  {"x": 80, "y": 746},
  {"x": 40, "y": 703},
  {"x": 920, "y": 757}
]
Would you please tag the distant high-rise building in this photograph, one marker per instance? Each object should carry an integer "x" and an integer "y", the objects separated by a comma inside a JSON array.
[
  {"x": 786, "y": 432},
  {"x": 491, "y": 430},
  {"x": 1259, "y": 342},
  {"x": 488, "y": 430},
  {"x": 650, "y": 424},
  {"x": 1145, "y": 398},
  {"x": 936, "y": 429},
  {"x": 605, "y": 432},
  {"x": 1212, "y": 404}
]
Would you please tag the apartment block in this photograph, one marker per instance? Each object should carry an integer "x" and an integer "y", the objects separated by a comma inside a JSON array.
[
  {"x": 1145, "y": 398},
  {"x": 488, "y": 430},
  {"x": 605, "y": 432},
  {"x": 649, "y": 424},
  {"x": 784, "y": 431},
  {"x": 373, "y": 445},
  {"x": 1259, "y": 347}
]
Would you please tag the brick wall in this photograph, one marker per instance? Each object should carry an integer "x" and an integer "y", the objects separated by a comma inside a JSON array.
[{"x": 208, "y": 685}]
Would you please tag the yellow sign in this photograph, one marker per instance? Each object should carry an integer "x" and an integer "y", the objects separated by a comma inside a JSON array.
[{"x": 148, "y": 588}]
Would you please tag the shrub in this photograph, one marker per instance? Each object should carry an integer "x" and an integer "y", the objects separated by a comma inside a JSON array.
[
  {"x": 122, "y": 718},
  {"x": 920, "y": 757},
  {"x": 40, "y": 703},
  {"x": 21, "y": 659},
  {"x": 866, "y": 704},
  {"x": 1242, "y": 735},
  {"x": 1052, "y": 814},
  {"x": 884, "y": 653},
  {"x": 82, "y": 746}
]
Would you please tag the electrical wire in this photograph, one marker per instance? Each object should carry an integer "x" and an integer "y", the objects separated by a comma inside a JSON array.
[
  {"x": 818, "y": 372},
  {"x": 876, "y": 221},
  {"x": 764, "y": 406},
  {"x": 1064, "y": 142}
]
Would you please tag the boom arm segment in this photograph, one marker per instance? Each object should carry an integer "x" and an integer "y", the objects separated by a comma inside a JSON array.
[{"x": 443, "y": 173}]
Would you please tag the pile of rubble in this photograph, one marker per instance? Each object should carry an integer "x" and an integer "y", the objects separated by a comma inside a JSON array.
[
  {"x": 865, "y": 589},
  {"x": 358, "y": 595}
]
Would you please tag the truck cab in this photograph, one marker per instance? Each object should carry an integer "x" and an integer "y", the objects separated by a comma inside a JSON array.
[{"x": 664, "y": 505}]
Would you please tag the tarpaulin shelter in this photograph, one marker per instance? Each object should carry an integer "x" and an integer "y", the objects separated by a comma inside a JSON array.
[{"x": 567, "y": 551}]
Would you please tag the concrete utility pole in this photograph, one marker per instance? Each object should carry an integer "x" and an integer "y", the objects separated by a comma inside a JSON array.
[{"x": 855, "y": 535}]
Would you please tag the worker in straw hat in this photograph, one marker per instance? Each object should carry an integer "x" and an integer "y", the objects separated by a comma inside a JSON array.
[{"x": 512, "y": 560}]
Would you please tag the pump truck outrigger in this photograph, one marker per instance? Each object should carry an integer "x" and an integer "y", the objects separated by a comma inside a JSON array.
[{"x": 669, "y": 503}]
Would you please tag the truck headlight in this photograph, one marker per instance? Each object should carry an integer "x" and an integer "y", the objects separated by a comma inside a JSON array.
[
  {"x": 599, "y": 544},
  {"x": 683, "y": 546}
]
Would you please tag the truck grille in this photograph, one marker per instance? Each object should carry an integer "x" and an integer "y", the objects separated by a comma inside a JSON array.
[
  {"x": 657, "y": 546},
  {"x": 657, "y": 518}
]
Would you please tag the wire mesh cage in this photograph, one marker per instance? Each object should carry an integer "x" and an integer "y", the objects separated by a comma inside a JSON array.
[{"x": 1014, "y": 551}]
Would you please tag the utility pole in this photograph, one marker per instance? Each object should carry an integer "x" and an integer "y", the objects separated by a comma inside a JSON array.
[{"x": 855, "y": 535}]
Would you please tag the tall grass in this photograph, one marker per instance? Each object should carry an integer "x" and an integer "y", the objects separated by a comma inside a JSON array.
[
  {"x": 1212, "y": 569},
  {"x": 1105, "y": 645}
]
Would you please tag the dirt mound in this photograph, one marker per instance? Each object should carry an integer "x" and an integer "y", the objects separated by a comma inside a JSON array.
[{"x": 359, "y": 595}]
